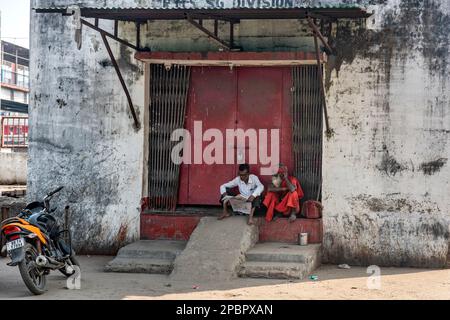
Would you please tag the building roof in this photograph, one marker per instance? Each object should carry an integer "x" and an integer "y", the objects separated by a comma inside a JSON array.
[{"x": 131, "y": 10}]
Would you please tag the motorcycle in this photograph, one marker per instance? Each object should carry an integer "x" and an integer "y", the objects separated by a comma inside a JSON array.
[{"x": 35, "y": 243}]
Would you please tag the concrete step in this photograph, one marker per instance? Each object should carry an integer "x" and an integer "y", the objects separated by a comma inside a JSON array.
[
  {"x": 215, "y": 250},
  {"x": 280, "y": 261},
  {"x": 280, "y": 252},
  {"x": 140, "y": 265},
  {"x": 274, "y": 270},
  {"x": 158, "y": 249},
  {"x": 147, "y": 256}
]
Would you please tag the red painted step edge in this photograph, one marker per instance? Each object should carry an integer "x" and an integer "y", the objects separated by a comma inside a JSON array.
[{"x": 180, "y": 227}]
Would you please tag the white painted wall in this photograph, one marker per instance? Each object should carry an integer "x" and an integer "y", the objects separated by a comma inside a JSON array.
[
  {"x": 81, "y": 133},
  {"x": 13, "y": 167},
  {"x": 386, "y": 169}
]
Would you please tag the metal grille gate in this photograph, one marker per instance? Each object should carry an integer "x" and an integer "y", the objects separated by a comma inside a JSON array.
[
  {"x": 308, "y": 130},
  {"x": 168, "y": 93}
]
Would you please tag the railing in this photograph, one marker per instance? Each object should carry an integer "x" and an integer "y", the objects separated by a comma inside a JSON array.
[
  {"x": 14, "y": 132},
  {"x": 16, "y": 79}
]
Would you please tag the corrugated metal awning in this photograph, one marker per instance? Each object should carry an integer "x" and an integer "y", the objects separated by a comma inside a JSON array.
[{"x": 130, "y": 10}]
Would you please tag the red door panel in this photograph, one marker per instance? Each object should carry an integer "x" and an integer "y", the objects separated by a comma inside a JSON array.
[
  {"x": 212, "y": 100},
  {"x": 259, "y": 107},
  {"x": 264, "y": 103}
]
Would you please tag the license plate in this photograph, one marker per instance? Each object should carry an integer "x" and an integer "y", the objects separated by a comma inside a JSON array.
[{"x": 16, "y": 244}]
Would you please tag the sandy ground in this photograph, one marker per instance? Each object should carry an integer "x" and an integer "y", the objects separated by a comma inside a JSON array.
[{"x": 333, "y": 283}]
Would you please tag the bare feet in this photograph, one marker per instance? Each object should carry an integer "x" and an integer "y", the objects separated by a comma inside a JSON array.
[
  {"x": 224, "y": 216},
  {"x": 250, "y": 222},
  {"x": 292, "y": 218}
]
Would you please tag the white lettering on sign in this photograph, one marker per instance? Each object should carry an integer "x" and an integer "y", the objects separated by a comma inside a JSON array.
[{"x": 228, "y": 4}]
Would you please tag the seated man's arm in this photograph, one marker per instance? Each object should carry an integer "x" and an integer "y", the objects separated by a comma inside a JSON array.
[
  {"x": 228, "y": 185},
  {"x": 290, "y": 186},
  {"x": 259, "y": 189}
]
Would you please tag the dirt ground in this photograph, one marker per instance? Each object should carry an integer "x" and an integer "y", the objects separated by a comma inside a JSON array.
[{"x": 333, "y": 283}]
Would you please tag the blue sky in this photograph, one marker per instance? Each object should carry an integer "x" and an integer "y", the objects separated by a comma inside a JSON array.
[{"x": 15, "y": 21}]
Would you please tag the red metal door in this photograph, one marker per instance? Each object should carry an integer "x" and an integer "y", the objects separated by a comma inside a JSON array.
[
  {"x": 212, "y": 100},
  {"x": 242, "y": 98},
  {"x": 264, "y": 104}
]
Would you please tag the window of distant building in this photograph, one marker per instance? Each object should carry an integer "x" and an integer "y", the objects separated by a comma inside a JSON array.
[
  {"x": 7, "y": 72},
  {"x": 22, "y": 76}
]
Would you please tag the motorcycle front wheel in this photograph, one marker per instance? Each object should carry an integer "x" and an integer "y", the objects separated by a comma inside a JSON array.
[{"x": 33, "y": 277}]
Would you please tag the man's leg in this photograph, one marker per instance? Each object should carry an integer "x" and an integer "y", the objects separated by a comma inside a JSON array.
[
  {"x": 250, "y": 218},
  {"x": 255, "y": 204},
  {"x": 270, "y": 201},
  {"x": 289, "y": 206},
  {"x": 225, "y": 213}
]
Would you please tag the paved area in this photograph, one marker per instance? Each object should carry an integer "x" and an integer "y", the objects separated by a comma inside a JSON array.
[{"x": 333, "y": 283}]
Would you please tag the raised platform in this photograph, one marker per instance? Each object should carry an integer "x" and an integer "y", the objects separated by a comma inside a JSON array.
[{"x": 181, "y": 226}]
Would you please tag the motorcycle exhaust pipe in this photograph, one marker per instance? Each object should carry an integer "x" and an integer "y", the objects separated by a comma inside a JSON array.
[
  {"x": 47, "y": 262},
  {"x": 42, "y": 261}
]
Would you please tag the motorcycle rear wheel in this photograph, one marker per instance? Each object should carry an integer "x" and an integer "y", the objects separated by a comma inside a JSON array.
[{"x": 32, "y": 276}]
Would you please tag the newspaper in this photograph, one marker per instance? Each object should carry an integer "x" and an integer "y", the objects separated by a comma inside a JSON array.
[{"x": 239, "y": 203}]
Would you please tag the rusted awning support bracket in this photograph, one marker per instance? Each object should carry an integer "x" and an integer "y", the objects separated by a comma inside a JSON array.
[
  {"x": 110, "y": 35},
  {"x": 329, "y": 131},
  {"x": 105, "y": 35},
  {"x": 210, "y": 34},
  {"x": 317, "y": 33},
  {"x": 137, "y": 124}
]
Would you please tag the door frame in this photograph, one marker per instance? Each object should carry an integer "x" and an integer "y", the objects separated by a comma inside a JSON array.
[{"x": 229, "y": 59}]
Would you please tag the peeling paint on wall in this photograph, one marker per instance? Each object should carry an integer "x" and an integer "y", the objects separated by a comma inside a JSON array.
[
  {"x": 81, "y": 136},
  {"x": 432, "y": 167},
  {"x": 397, "y": 66},
  {"x": 386, "y": 176}
]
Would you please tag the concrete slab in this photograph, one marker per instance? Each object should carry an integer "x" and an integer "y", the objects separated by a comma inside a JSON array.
[
  {"x": 280, "y": 252},
  {"x": 215, "y": 250},
  {"x": 280, "y": 261},
  {"x": 274, "y": 270},
  {"x": 147, "y": 257},
  {"x": 140, "y": 265},
  {"x": 160, "y": 249}
]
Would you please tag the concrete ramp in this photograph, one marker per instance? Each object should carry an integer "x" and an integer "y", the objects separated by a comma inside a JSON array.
[{"x": 215, "y": 250}]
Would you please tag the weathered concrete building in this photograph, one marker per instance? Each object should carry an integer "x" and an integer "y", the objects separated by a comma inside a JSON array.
[{"x": 385, "y": 164}]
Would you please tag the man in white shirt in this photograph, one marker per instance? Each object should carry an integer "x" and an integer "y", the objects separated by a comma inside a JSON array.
[{"x": 249, "y": 187}]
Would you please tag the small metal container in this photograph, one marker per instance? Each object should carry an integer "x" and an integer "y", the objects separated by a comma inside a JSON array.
[{"x": 303, "y": 239}]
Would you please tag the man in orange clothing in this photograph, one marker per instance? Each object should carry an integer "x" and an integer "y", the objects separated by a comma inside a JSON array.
[{"x": 284, "y": 197}]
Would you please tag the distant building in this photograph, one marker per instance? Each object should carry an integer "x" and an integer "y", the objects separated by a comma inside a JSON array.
[
  {"x": 15, "y": 84},
  {"x": 15, "y": 91}
]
